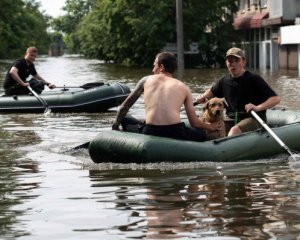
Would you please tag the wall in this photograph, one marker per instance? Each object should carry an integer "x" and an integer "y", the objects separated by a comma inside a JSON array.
[
  {"x": 287, "y": 9},
  {"x": 288, "y": 58}
]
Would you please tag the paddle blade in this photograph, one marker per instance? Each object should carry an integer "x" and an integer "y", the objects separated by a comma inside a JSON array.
[
  {"x": 92, "y": 85},
  {"x": 82, "y": 146},
  {"x": 294, "y": 161},
  {"x": 47, "y": 111}
]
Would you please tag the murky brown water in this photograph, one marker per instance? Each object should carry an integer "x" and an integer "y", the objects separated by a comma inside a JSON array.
[{"x": 47, "y": 194}]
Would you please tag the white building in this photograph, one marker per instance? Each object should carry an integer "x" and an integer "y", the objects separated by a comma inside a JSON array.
[{"x": 270, "y": 34}]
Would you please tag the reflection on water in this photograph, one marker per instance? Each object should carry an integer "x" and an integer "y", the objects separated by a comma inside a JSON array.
[
  {"x": 200, "y": 203},
  {"x": 286, "y": 83},
  {"x": 48, "y": 194}
]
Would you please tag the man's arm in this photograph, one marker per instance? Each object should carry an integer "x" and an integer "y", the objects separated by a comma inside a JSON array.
[
  {"x": 269, "y": 103},
  {"x": 39, "y": 77},
  {"x": 193, "y": 118},
  {"x": 204, "y": 97},
  {"x": 129, "y": 101},
  {"x": 14, "y": 73}
]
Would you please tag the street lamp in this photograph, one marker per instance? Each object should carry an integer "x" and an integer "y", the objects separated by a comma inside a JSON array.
[{"x": 179, "y": 27}]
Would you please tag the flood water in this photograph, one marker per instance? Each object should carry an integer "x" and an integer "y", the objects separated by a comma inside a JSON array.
[{"x": 48, "y": 194}]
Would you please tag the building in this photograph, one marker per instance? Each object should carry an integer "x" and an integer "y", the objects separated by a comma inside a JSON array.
[
  {"x": 57, "y": 47},
  {"x": 269, "y": 33}
]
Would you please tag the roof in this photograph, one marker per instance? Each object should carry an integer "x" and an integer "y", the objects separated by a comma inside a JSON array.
[{"x": 250, "y": 20}]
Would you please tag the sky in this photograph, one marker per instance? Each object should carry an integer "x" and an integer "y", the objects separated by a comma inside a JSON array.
[{"x": 52, "y": 7}]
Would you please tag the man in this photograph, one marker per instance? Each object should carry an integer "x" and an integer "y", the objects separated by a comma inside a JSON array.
[
  {"x": 15, "y": 81},
  {"x": 243, "y": 91},
  {"x": 164, "y": 97}
]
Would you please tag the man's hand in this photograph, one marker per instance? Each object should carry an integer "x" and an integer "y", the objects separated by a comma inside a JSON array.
[
  {"x": 201, "y": 99},
  {"x": 217, "y": 126},
  {"x": 25, "y": 84},
  {"x": 115, "y": 126},
  {"x": 51, "y": 86},
  {"x": 250, "y": 106}
]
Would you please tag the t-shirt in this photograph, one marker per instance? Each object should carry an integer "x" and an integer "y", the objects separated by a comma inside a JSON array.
[
  {"x": 24, "y": 70},
  {"x": 249, "y": 88}
]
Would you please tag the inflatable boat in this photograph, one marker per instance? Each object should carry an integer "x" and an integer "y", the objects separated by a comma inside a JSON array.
[
  {"x": 87, "y": 98},
  {"x": 126, "y": 147}
]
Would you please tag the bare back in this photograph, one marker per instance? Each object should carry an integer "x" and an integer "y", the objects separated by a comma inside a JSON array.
[{"x": 164, "y": 97}]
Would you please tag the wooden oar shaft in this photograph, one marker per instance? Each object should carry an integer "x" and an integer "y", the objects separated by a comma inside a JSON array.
[
  {"x": 281, "y": 143},
  {"x": 84, "y": 86},
  {"x": 42, "y": 101},
  {"x": 68, "y": 87}
]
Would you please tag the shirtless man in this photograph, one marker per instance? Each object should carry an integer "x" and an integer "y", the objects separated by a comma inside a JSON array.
[{"x": 164, "y": 97}]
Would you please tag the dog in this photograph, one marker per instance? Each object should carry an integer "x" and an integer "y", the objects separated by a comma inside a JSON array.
[{"x": 213, "y": 111}]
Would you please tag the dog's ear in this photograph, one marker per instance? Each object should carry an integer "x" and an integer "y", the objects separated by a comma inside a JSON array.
[{"x": 206, "y": 106}]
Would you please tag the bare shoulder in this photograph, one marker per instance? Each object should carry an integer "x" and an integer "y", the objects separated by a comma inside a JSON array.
[
  {"x": 143, "y": 80},
  {"x": 140, "y": 85},
  {"x": 181, "y": 84}
]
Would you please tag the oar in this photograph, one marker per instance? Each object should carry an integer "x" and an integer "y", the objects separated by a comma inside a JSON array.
[
  {"x": 42, "y": 101},
  {"x": 81, "y": 146},
  {"x": 84, "y": 86},
  {"x": 278, "y": 140}
]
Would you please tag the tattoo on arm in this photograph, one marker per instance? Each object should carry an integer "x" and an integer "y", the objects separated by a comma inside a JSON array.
[{"x": 130, "y": 100}]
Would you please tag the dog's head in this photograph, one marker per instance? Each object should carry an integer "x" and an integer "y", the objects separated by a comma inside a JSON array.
[{"x": 214, "y": 107}]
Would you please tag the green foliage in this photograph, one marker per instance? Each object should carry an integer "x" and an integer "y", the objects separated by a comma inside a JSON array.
[
  {"x": 211, "y": 25},
  {"x": 75, "y": 11},
  {"x": 127, "y": 32},
  {"x": 21, "y": 25},
  {"x": 132, "y": 32}
]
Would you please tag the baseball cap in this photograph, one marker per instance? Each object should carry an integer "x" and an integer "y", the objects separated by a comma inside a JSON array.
[{"x": 236, "y": 52}]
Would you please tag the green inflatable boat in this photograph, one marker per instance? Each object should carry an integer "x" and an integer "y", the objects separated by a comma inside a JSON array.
[
  {"x": 87, "y": 98},
  {"x": 125, "y": 147}
]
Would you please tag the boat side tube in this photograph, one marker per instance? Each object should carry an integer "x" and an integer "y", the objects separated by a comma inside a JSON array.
[{"x": 124, "y": 147}]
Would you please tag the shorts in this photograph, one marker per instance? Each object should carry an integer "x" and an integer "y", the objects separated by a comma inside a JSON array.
[
  {"x": 176, "y": 131},
  {"x": 248, "y": 124},
  {"x": 16, "y": 90}
]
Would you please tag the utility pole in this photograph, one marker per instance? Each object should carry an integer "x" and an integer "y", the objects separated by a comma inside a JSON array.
[{"x": 179, "y": 26}]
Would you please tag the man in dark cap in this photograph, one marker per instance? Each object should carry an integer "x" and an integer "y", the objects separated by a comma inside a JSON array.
[{"x": 243, "y": 91}]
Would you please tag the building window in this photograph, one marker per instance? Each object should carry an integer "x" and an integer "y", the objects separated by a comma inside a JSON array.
[
  {"x": 254, "y": 2},
  {"x": 263, "y": 3},
  {"x": 268, "y": 34},
  {"x": 243, "y": 5},
  {"x": 262, "y": 34}
]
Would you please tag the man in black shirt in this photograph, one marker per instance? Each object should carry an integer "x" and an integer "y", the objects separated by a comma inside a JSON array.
[
  {"x": 243, "y": 91},
  {"x": 15, "y": 81}
]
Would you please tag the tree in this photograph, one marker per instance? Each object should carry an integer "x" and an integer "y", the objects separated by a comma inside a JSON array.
[
  {"x": 127, "y": 32},
  {"x": 75, "y": 11},
  {"x": 21, "y": 25},
  {"x": 209, "y": 23},
  {"x": 132, "y": 32}
]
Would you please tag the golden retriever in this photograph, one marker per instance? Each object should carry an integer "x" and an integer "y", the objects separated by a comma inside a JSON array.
[{"x": 213, "y": 111}]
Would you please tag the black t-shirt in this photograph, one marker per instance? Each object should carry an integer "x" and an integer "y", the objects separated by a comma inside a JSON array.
[
  {"x": 249, "y": 88},
  {"x": 24, "y": 70}
]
